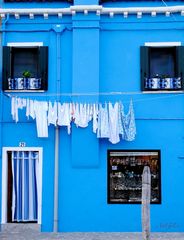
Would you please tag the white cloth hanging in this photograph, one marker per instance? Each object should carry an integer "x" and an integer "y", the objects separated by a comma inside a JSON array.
[
  {"x": 83, "y": 115},
  {"x": 64, "y": 115},
  {"x": 109, "y": 121},
  {"x": 52, "y": 114},
  {"x": 127, "y": 123},
  {"x": 95, "y": 117},
  {"x": 27, "y": 108},
  {"x": 31, "y": 109},
  {"x": 130, "y": 121},
  {"x": 14, "y": 110},
  {"x": 114, "y": 123},
  {"x": 76, "y": 115},
  {"x": 40, "y": 110},
  {"x": 103, "y": 122},
  {"x": 16, "y": 104}
]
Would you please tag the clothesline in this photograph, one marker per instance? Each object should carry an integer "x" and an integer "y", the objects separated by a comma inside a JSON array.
[
  {"x": 108, "y": 120},
  {"x": 147, "y": 96},
  {"x": 36, "y": 94},
  {"x": 30, "y": 94}
]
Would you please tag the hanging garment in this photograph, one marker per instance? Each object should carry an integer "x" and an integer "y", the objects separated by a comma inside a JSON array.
[
  {"x": 131, "y": 123},
  {"x": 108, "y": 122},
  {"x": 16, "y": 104},
  {"x": 25, "y": 182},
  {"x": 89, "y": 112},
  {"x": 72, "y": 112},
  {"x": 83, "y": 115},
  {"x": 95, "y": 117},
  {"x": 40, "y": 109},
  {"x": 64, "y": 115},
  {"x": 21, "y": 103},
  {"x": 121, "y": 116},
  {"x": 76, "y": 115},
  {"x": 14, "y": 109},
  {"x": 31, "y": 109},
  {"x": 103, "y": 122},
  {"x": 127, "y": 123},
  {"x": 52, "y": 114},
  {"x": 114, "y": 123},
  {"x": 28, "y": 108}
]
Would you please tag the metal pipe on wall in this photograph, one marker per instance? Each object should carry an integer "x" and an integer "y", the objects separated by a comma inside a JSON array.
[
  {"x": 56, "y": 176},
  {"x": 58, "y": 30}
]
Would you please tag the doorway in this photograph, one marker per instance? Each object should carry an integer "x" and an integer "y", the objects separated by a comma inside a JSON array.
[{"x": 21, "y": 185}]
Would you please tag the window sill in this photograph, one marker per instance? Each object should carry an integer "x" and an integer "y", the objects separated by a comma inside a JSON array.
[
  {"x": 165, "y": 91},
  {"x": 20, "y": 91}
]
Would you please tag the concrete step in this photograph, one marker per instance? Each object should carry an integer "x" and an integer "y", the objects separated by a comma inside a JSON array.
[{"x": 20, "y": 227}]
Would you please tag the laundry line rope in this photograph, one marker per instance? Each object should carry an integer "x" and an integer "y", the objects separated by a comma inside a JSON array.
[
  {"x": 147, "y": 96},
  {"x": 26, "y": 94}
]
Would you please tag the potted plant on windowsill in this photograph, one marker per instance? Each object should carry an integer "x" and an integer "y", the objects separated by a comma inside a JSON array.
[
  {"x": 31, "y": 83},
  {"x": 26, "y": 74},
  {"x": 26, "y": 78}
]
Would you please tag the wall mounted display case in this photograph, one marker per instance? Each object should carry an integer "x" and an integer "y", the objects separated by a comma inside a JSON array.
[{"x": 125, "y": 168}]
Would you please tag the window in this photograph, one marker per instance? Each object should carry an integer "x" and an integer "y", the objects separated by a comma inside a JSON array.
[
  {"x": 125, "y": 168},
  {"x": 162, "y": 68},
  {"x": 25, "y": 68}
]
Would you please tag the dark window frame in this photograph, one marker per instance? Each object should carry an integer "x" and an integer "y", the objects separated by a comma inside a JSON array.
[
  {"x": 175, "y": 83},
  {"x": 41, "y": 78},
  {"x": 109, "y": 201}
]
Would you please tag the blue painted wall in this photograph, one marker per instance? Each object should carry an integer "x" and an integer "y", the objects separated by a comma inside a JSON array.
[{"x": 102, "y": 54}]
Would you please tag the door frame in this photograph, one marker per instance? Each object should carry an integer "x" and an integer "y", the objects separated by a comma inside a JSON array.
[{"x": 5, "y": 151}]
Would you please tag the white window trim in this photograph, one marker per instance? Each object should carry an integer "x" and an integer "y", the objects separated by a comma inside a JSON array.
[
  {"x": 25, "y": 44},
  {"x": 5, "y": 178},
  {"x": 162, "y": 44}
]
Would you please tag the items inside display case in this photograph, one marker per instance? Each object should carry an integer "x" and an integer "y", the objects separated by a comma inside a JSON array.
[{"x": 125, "y": 175}]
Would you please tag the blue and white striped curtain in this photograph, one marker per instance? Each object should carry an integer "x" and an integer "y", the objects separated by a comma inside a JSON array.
[{"x": 25, "y": 184}]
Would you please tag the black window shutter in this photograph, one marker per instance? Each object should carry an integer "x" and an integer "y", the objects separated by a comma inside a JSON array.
[
  {"x": 6, "y": 66},
  {"x": 180, "y": 63},
  {"x": 144, "y": 57},
  {"x": 43, "y": 67}
]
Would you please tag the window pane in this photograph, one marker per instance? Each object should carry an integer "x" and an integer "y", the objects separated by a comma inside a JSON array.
[
  {"x": 125, "y": 175},
  {"x": 25, "y": 60},
  {"x": 162, "y": 62}
]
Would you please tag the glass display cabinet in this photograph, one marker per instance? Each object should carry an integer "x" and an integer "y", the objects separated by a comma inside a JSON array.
[{"x": 125, "y": 168}]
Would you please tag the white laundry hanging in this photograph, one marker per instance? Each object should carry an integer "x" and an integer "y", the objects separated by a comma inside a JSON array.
[
  {"x": 64, "y": 115},
  {"x": 16, "y": 104},
  {"x": 31, "y": 109},
  {"x": 127, "y": 123},
  {"x": 103, "y": 122},
  {"x": 52, "y": 113},
  {"x": 14, "y": 110},
  {"x": 95, "y": 117},
  {"x": 41, "y": 109},
  {"x": 108, "y": 120},
  {"x": 114, "y": 130}
]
